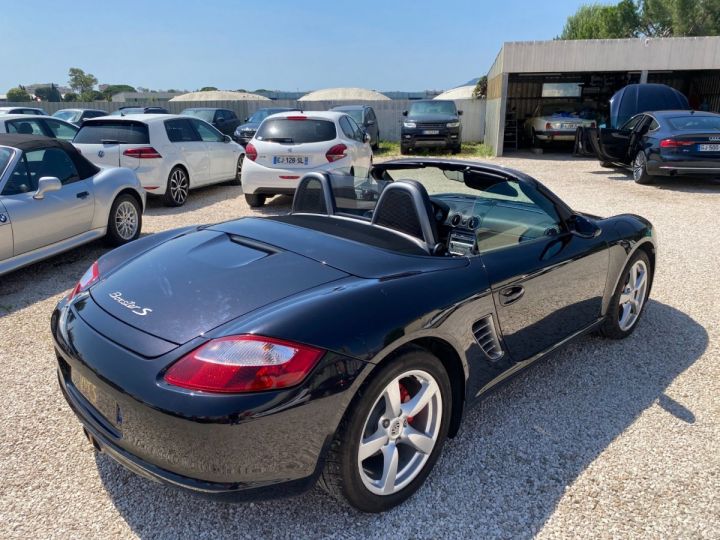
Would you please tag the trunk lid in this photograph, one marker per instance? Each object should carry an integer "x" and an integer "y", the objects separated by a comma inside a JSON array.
[{"x": 194, "y": 283}]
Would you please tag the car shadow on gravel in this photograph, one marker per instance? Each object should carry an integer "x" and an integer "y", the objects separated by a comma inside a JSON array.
[
  {"x": 206, "y": 196},
  {"x": 502, "y": 476},
  {"x": 687, "y": 184}
]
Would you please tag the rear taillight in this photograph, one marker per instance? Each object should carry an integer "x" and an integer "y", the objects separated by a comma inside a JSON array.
[
  {"x": 548, "y": 125},
  {"x": 145, "y": 152},
  {"x": 336, "y": 152},
  {"x": 674, "y": 143},
  {"x": 90, "y": 276},
  {"x": 250, "y": 152},
  {"x": 237, "y": 364},
  {"x": 592, "y": 124}
]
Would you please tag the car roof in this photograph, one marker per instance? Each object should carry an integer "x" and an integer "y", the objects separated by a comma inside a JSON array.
[
  {"x": 662, "y": 114},
  {"x": 27, "y": 143},
  {"x": 326, "y": 115},
  {"x": 350, "y": 107},
  {"x": 140, "y": 117},
  {"x": 18, "y": 116}
]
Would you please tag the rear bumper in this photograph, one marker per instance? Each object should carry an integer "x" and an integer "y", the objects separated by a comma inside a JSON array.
[
  {"x": 260, "y": 179},
  {"x": 415, "y": 138},
  {"x": 683, "y": 167},
  {"x": 555, "y": 135}
]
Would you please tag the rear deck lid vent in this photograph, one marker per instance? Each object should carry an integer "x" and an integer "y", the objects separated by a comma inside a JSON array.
[{"x": 486, "y": 336}]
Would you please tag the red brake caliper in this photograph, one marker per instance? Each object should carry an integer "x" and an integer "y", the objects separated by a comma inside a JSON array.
[{"x": 404, "y": 398}]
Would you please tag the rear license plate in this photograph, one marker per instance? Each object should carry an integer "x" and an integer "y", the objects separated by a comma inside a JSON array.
[
  {"x": 102, "y": 403},
  {"x": 709, "y": 147},
  {"x": 291, "y": 160},
  {"x": 568, "y": 126},
  {"x": 431, "y": 132}
]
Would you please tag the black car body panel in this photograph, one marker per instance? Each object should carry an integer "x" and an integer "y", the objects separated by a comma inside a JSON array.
[
  {"x": 638, "y": 98},
  {"x": 358, "y": 303},
  {"x": 224, "y": 120}
]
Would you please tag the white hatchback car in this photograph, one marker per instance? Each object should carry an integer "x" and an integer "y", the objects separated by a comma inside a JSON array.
[
  {"x": 288, "y": 145},
  {"x": 170, "y": 154}
]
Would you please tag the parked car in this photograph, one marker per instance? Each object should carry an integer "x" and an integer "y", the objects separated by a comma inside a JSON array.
[
  {"x": 288, "y": 145},
  {"x": 23, "y": 110},
  {"x": 171, "y": 154},
  {"x": 124, "y": 111},
  {"x": 558, "y": 121},
  {"x": 245, "y": 132},
  {"x": 53, "y": 199},
  {"x": 663, "y": 143},
  {"x": 48, "y": 126},
  {"x": 431, "y": 123},
  {"x": 344, "y": 341},
  {"x": 365, "y": 117},
  {"x": 76, "y": 116},
  {"x": 224, "y": 120}
]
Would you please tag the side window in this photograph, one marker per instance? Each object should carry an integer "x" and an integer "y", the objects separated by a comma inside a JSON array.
[
  {"x": 346, "y": 127},
  {"x": 219, "y": 116},
  {"x": 20, "y": 180},
  {"x": 207, "y": 132},
  {"x": 25, "y": 127},
  {"x": 653, "y": 125},
  {"x": 358, "y": 133},
  {"x": 61, "y": 131},
  {"x": 180, "y": 130},
  {"x": 632, "y": 123},
  {"x": 51, "y": 162},
  {"x": 371, "y": 115}
]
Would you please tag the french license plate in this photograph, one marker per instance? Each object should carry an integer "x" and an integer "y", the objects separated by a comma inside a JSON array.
[
  {"x": 568, "y": 126},
  {"x": 291, "y": 160},
  {"x": 709, "y": 147},
  {"x": 431, "y": 132},
  {"x": 102, "y": 403}
]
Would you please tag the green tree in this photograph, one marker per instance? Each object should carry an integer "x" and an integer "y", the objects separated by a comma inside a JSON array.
[
  {"x": 597, "y": 21},
  {"x": 91, "y": 95},
  {"x": 18, "y": 94},
  {"x": 80, "y": 81},
  {"x": 48, "y": 93},
  {"x": 113, "y": 89},
  {"x": 208, "y": 89},
  {"x": 481, "y": 87},
  {"x": 70, "y": 96}
]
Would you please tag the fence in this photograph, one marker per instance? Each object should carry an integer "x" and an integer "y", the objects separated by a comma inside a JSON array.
[{"x": 389, "y": 113}]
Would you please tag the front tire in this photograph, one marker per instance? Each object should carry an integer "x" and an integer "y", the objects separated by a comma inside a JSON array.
[
  {"x": 628, "y": 301},
  {"x": 392, "y": 435},
  {"x": 178, "y": 187},
  {"x": 254, "y": 200},
  {"x": 639, "y": 169},
  {"x": 125, "y": 220}
]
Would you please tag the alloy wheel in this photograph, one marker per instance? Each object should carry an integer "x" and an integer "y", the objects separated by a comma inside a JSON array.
[
  {"x": 638, "y": 166},
  {"x": 179, "y": 186},
  {"x": 633, "y": 295},
  {"x": 126, "y": 220},
  {"x": 400, "y": 432},
  {"x": 238, "y": 173}
]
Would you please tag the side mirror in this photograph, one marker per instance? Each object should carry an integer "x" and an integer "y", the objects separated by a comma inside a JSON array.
[
  {"x": 46, "y": 184},
  {"x": 584, "y": 227},
  {"x": 227, "y": 138},
  {"x": 366, "y": 137},
  {"x": 404, "y": 113},
  {"x": 460, "y": 113}
]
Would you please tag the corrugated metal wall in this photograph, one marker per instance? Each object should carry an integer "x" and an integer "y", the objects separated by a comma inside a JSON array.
[{"x": 389, "y": 113}]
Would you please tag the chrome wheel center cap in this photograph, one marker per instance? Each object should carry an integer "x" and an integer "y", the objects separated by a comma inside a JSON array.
[{"x": 395, "y": 428}]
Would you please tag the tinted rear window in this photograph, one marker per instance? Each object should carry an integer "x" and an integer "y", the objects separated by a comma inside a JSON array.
[
  {"x": 695, "y": 123},
  {"x": 296, "y": 131},
  {"x": 112, "y": 130}
]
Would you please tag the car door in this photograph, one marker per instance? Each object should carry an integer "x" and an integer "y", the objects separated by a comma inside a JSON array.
[
  {"x": 222, "y": 155},
  {"x": 614, "y": 144},
  {"x": 60, "y": 130},
  {"x": 183, "y": 136},
  {"x": 547, "y": 281},
  {"x": 371, "y": 125},
  {"x": 60, "y": 214}
]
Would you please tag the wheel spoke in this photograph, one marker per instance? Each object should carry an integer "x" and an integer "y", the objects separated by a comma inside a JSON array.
[
  {"x": 372, "y": 445},
  {"x": 421, "y": 399},
  {"x": 418, "y": 440},
  {"x": 392, "y": 399},
  {"x": 390, "y": 467},
  {"x": 624, "y": 316},
  {"x": 640, "y": 277}
]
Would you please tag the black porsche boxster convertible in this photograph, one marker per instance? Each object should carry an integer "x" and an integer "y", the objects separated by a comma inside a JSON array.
[{"x": 343, "y": 341}]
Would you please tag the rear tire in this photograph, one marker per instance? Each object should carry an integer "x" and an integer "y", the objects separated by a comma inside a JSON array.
[
  {"x": 124, "y": 221},
  {"x": 408, "y": 444},
  {"x": 178, "y": 187},
  {"x": 628, "y": 303},
  {"x": 255, "y": 200},
  {"x": 237, "y": 181},
  {"x": 639, "y": 169}
]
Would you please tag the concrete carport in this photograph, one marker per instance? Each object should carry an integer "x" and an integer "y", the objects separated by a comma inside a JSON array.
[{"x": 521, "y": 69}]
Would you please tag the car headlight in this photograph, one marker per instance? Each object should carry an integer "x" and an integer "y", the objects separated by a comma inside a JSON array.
[
  {"x": 453, "y": 124},
  {"x": 409, "y": 124}
]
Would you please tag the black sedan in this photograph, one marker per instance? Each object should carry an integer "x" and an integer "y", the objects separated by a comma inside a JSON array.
[
  {"x": 340, "y": 343},
  {"x": 663, "y": 143},
  {"x": 225, "y": 120},
  {"x": 246, "y": 131}
]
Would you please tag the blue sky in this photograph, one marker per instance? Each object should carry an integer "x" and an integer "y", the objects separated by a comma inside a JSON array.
[{"x": 276, "y": 44}]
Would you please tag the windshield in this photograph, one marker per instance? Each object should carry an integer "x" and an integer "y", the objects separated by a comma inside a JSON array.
[
  {"x": 568, "y": 110},
  {"x": 6, "y": 155},
  {"x": 68, "y": 116},
  {"x": 202, "y": 114},
  {"x": 355, "y": 114},
  {"x": 284, "y": 130},
  {"x": 261, "y": 114},
  {"x": 695, "y": 123},
  {"x": 433, "y": 107}
]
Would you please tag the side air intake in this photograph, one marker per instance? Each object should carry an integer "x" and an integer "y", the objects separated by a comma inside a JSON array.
[{"x": 486, "y": 336}]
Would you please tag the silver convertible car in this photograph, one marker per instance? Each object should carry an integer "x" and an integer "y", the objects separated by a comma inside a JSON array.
[{"x": 53, "y": 199}]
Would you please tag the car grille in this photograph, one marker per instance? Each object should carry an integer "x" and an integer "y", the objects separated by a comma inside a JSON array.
[
  {"x": 431, "y": 125},
  {"x": 486, "y": 336}
]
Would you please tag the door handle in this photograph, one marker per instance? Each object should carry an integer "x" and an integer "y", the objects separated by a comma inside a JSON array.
[
  {"x": 82, "y": 195},
  {"x": 511, "y": 295}
]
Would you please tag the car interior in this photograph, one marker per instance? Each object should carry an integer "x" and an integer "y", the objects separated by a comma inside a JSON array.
[
  {"x": 37, "y": 164},
  {"x": 393, "y": 212}
]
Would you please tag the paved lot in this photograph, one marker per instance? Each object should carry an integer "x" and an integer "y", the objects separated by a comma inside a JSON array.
[{"x": 606, "y": 439}]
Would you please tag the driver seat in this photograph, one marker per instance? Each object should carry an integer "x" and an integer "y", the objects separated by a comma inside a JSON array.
[{"x": 404, "y": 206}]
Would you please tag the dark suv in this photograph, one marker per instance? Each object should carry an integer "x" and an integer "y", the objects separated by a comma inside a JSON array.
[{"x": 431, "y": 123}]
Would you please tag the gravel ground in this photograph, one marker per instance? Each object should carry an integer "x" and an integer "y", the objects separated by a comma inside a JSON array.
[{"x": 605, "y": 439}]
